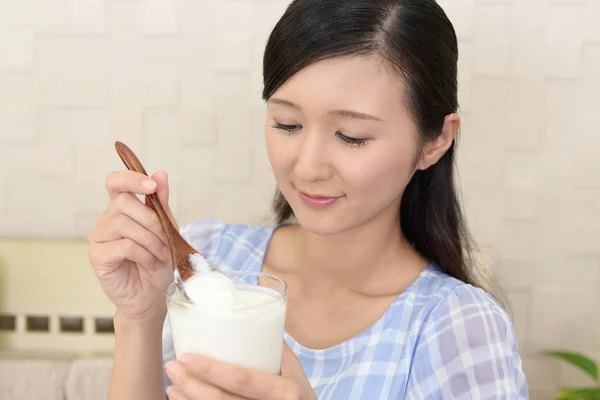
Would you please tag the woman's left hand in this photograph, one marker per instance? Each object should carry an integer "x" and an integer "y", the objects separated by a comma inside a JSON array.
[{"x": 198, "y": 378}]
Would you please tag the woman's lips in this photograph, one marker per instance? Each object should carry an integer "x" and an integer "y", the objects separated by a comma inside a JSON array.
[{"x": 316, "y": 201}]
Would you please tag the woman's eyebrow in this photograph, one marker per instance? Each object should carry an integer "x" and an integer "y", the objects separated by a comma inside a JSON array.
[{"x": 343, "y": 113}]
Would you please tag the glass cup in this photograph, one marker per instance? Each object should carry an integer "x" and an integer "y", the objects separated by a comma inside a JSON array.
[{"x": 248, "y": 333}]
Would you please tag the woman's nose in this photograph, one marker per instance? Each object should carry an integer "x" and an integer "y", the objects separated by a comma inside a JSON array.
[{"x": 313, "y": 160}]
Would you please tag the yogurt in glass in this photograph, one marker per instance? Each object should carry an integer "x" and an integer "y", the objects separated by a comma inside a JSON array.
[{"x": 236, "y": 317}]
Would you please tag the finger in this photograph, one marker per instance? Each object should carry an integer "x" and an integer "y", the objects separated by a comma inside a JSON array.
[
  {"x": 244, "y": 382},
  {"x": 122, "y": 226},
  {"x": 114, "y": 253},
  {"x": 163, "y": 191},
  {"x": 174, "y": 393},
  {"x": 162, "y": 180},
  {"x": 128, "y": 182},
  {"x": 190, "y": 386},
  {"x": 128, "y": 204}
]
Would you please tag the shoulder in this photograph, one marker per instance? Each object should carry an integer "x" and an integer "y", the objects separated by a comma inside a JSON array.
[
  {"x": 450, "y": 303},
  {"x": 227, "y": 243},
  {"x": 439, "y": 295},
  {"x": 466, "y": 343},
  {"x": 450, "y": 296},
  {"x": 470, "y": 318}
]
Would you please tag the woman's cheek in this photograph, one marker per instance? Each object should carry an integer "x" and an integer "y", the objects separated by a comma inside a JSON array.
[{"x": 281, "y": 152}]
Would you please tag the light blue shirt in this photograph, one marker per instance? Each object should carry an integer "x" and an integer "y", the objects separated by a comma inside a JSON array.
[{"x": 440, "y": 339}]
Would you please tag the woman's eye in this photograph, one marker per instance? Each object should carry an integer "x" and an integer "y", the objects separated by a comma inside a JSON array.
[
  {"x": 347, "y": 140},
  {"x": 350, "y": 141},
  {"x": 286, "y": 128}
]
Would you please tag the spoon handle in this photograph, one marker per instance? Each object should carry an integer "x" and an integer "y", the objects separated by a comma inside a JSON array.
[{"x": 134, "y": 164}]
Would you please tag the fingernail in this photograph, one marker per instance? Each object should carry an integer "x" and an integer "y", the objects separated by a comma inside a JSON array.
[
  {"x": 166, "y": 253},
  {"x": 172, "y": 368},
  {"x": 185, "y": 359},
  {"x": 148, "y": 184},
  {"x": 173, "y": 393}
]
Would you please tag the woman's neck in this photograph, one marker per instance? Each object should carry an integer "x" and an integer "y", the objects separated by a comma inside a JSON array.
[{"x": 374, "y": 259}]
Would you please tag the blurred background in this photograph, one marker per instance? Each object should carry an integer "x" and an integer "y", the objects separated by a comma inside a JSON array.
[{"x": 179, "y": 81}]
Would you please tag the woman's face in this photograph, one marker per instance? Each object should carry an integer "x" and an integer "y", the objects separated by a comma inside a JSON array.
[{"x": 341, "y": 143}]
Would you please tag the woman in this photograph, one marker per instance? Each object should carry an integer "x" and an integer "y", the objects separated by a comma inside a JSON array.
[{"x": 383, "y": 304}]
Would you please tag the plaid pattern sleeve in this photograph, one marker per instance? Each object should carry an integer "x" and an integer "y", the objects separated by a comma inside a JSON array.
[{"x": 467, "y": 350}]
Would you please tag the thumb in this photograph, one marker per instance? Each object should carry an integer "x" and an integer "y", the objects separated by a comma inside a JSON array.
[
  {"x": 291, "y": 368},
  {"x": 162, "y": 182},
  {"x": 290, "y": 364}
]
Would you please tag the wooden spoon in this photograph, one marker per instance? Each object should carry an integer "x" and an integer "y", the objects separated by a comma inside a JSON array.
[{"x": 179, "y": 248}]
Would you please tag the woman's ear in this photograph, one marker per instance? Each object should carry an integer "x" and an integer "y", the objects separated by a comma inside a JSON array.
[{"x": 434, "y": 150}]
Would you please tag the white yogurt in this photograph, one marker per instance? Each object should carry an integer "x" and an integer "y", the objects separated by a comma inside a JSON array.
[
  {"x": 233, "y": 322},
  {"x": 210, "y": 289}
]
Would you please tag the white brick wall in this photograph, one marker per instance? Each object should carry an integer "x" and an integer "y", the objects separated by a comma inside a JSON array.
[{"x": 180, "y": 82}]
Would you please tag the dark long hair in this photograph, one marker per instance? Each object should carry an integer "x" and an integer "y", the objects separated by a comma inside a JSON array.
[{"x": 419, "y": 42}]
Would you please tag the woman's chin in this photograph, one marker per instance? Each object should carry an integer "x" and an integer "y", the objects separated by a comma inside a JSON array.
[{"x": 322, "y": 223}]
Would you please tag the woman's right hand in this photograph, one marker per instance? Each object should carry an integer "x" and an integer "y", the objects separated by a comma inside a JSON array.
[{"x": 128, "y": 248}]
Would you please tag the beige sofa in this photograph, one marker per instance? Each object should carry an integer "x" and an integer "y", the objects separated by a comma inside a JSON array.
[
  {"x": 53, "y": 376},
  {"x": 66, "y": 356}
]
